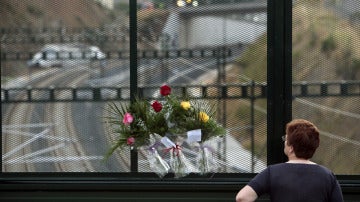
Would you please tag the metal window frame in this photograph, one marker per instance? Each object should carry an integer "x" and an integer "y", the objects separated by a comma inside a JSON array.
[{"x": 279, "y": 112}]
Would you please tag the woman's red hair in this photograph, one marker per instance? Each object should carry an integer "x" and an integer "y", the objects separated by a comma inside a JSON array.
[{"x": 303, "y": 136}]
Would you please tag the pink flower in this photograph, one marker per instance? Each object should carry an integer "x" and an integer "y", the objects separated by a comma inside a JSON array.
[
  {"x": 157, "y": 106},
  {"x": 130, "y": 141},
  {"x": 165, "y": 90},
  {"x": 128, "y": 118}
]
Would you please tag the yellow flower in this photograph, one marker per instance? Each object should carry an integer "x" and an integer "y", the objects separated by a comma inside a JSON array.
[
  {"x": 185, "y": 105},
  {"x": 203, "y": 117}
]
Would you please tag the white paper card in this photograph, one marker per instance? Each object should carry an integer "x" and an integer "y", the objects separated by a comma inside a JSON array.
[
  {"x": 167, "y": 142},
  {"x": 194, "y": 135}
]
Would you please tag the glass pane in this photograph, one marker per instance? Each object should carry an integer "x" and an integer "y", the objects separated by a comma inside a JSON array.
[
  {"x": 70, "y": 48},
  {"x": 211, "y": 44},
  {"x": 61, "y": 45},
  {"x": 326, "y": 64}
]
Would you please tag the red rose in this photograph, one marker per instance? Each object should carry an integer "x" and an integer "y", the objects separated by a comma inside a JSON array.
[
  {"x": 130, "y": 141},
  {"x": 157, "y": 106},
  {"x": 165, "y": 90}
]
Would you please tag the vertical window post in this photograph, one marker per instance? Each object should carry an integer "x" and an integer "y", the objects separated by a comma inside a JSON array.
[
  {"x": 133, "y": 71},
  {"x": 279, "y": 76}
]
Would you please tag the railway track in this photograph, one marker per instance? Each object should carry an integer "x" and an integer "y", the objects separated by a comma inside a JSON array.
[{"x": 61, "y": 148}]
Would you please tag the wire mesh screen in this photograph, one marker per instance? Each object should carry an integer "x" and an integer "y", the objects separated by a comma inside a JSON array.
[
  {"x": 75, "y": 55},
  {"x": 212, "y": 44},
  {"x": 75, "y": 46},
  {"x": 325, "y": 49}
]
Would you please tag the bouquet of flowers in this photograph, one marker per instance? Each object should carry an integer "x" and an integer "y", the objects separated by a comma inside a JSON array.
[
  {"x": 134, "y": 123},
  {"x": 169, "y": 122},
  {"x": 138, "y": 125},
  {"x": 196, "y": 120}
]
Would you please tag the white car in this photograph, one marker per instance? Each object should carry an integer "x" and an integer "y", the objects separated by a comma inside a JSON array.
[{"x": 54, "y": 55}]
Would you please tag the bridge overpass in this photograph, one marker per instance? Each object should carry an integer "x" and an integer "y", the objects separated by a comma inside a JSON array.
[
  {"x": 214, "y": 25},
  {"x": 223, "y": 9}
]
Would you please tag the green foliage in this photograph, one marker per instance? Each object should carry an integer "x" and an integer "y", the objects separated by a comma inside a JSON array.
[
  {"x": 355, "y": 65},
  {"x": 328, "y": 44},
  {"x": 313, "y": 38},
  {"x": 122, "y": 7},
  {"x": 8, "y": 7},
  {"x": 79, "y": 20},
  {"x": 35, "y": 11},
  {"x": 174, "y": 116},
  {"x": 136, "y": 129},
  {"x": 192, "y": 118},
  {"x": 255, "y": 68},
  {"x": 352, "y": 71}
]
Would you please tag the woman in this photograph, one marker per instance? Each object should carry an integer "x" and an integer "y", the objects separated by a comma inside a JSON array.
[{"x": 299, "y": 179}]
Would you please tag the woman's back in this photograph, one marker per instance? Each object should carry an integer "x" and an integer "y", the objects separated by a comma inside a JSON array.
[
  {"x": 297, "y": 182},
  {"x": 299, "y": 179}
]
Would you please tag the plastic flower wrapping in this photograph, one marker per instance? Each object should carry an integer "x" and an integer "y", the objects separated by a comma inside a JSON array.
[
  {"x": 160, "y": 128},
  {"x": 156, "y": 162}
]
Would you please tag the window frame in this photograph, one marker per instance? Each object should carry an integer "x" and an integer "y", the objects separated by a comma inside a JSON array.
[{"x": 279, "y": 99}]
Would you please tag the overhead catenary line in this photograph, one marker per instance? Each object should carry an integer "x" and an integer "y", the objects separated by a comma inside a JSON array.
[
  {"x": 322, "y": 107},
  {"x": 30, "y": 125},
  {"x": 56, "y": 138},
  {"x": 337, "y": 137},
  {"x": 21, "y": 146},
  {"x": 59, "y": 159},
  {"x": 37, "y": 153}
]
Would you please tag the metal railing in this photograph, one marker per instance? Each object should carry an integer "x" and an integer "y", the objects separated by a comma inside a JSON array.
[
  {"x": 124, "y": 54},
  {"x": 250, "y": 90}
]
